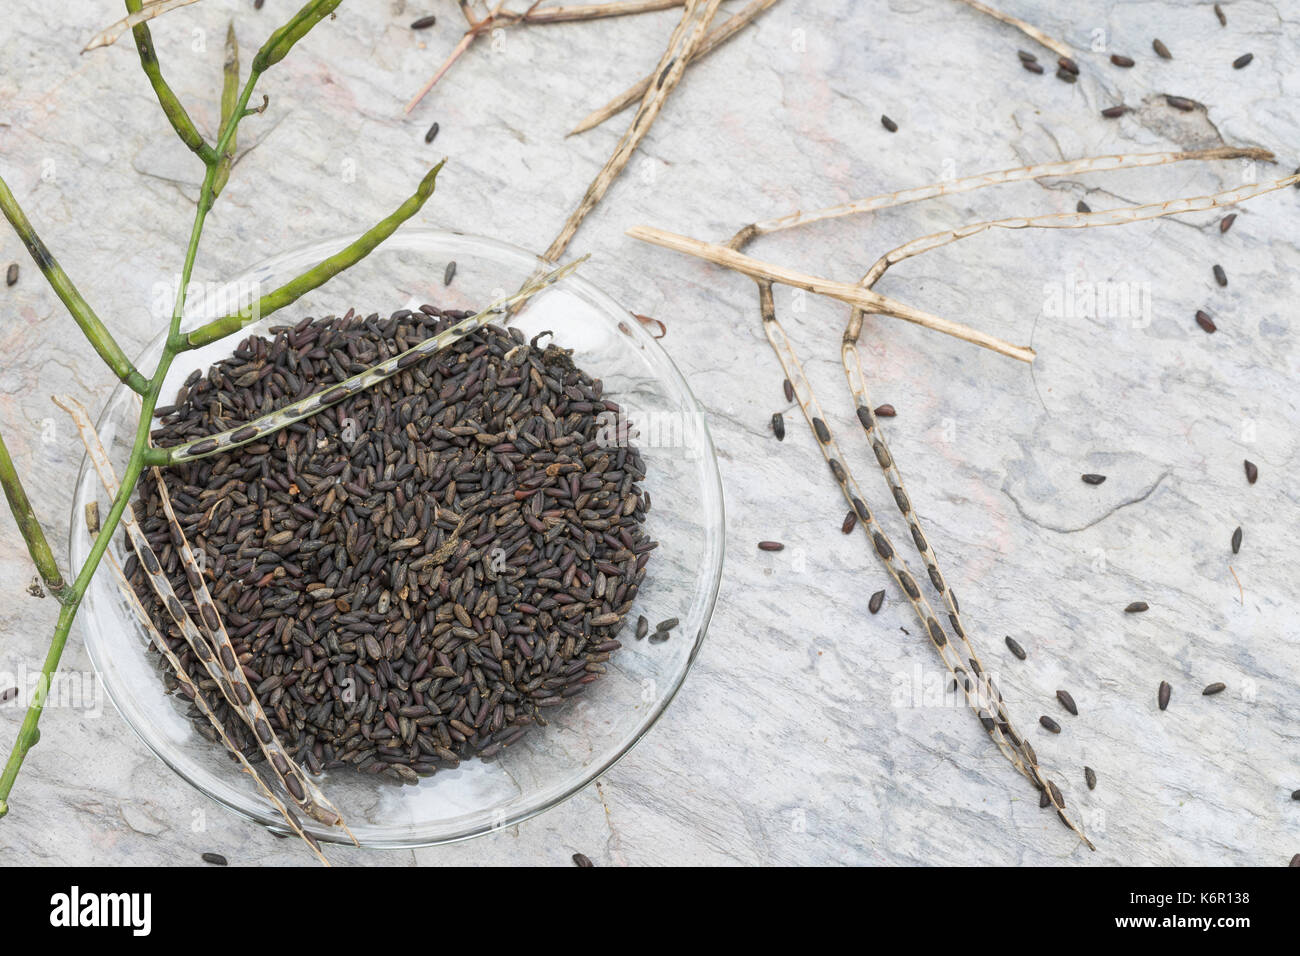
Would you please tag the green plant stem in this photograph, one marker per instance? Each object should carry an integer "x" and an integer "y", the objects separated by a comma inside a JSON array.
[
  {"x": 171, "y": 104},
  {"x": 29, "y": 526},
  {"x": 229, "y": 100},
  {"x": 319, "y": 274},
  {"x": 85, "y": 316}
]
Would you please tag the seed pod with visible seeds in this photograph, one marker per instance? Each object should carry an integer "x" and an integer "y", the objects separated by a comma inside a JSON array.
[
  {"x": 1162, "y": 697},
  {"x": 1067, "y": 702}
]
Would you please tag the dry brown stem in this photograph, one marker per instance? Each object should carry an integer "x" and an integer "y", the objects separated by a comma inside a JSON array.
[
  {"x": 1028, "y": 29},
  {"x": 110, "y": 35}
]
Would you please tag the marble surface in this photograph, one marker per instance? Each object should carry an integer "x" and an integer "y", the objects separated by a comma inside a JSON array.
[{"x": 809, "y": 730}]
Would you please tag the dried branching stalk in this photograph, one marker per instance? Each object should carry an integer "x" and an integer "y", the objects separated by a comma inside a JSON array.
[
  {"x": 853, "y": 294},
  {"x": 1028, "y": 29},
  {"x": 144, "y": 14},
  {"x": 712, "y": 40},
  {"x": 685, "y": 40},
  {"x": 1069, "y": 167}
]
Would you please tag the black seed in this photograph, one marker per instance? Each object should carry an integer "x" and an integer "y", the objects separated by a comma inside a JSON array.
[
  {"x": 1014, "y": 646},
  {"x": 771, "y": 546},
  {"x": 1111, "y": 112},
  {"x": 1218, "y": 12},
  {"x": 1220, "y": 276},
  {"x": 1067, "y": 702},
  {"x": 432, "y": 133},
  {"x": 1181, "y": 103},
  {"x": 1226, "y": 222},
  {"x": 1236, "y": 540},
  {"x": 424, "y": 22},
  {"x": 216, "y": 859},
  {"x": 1090, "y": 778},
  {"x": 8, "y": 694},
  {"x": 1205, "y": 322},
  {"x": 1121, "y": 60},
  {"x": 1137, "y": 607},
  {"x": 873, "y": 605},
  {"x": 581, "y": 860},
  {"x": 1162, "y": 51},
  {"x": 1049, "y": 724},
  {"x": 1082, "y": 206},
  {"x": 788, "y": 388},
  {"x": 642, "y": 626},
  {"x": 1093, "y": 479},
  {"x": 823, "y": 433},
  {"x": 1066, "y": 76},
  {"x": 1026, "y": 56},
  {"x": 1252, "y": 472},
  {"x": 1162, "y": 697},
  {"x": 882, "y": 546},
  {"x": 449, "y": 273},
  {"x": 11, "y": 274},
  {"x": 889, "y": 124},
  {"x": 667, "y": 624},
  {"x": 1242, "y": 61},
  {"x": 1216, "y": 688},
  {"x": 1043, "y": 799},
  {"x": 778, "y": 426},
  {"x": 885, "y": 411},
  {"x": 849, "y": 523},
  {"x": 1068, "y": 65},
  {"x": 1031, "y": 66}
]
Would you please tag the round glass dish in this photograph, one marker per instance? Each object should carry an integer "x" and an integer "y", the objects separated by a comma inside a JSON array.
[{"x": 590, "y": 733}]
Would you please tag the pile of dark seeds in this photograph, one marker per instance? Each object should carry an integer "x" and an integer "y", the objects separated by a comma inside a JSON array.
[{"x": 410, "y": 577}]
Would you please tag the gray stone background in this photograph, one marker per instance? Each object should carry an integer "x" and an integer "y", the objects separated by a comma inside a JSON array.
[{"x": 796, "y": 738}]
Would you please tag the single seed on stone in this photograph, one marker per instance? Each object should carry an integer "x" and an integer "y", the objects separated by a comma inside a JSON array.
[
  {"x": 11, "y": 275},
  {"x": 1066, "y": 76},
  {"x": 1205, "y": 322},
  {"x": 432, "y": 133},
  {"x": 1032, "y": 66},
  {"x": 1112, "y": 112},
  {"x": 1181, "y": 103},
  {"x": 1218, "y": 12},
  {"x": 1120, "y": 60},
  {"x": 1090, "y": 778},
  {"x": 1162, "y": 697},
  {"x": 778, "y": 426},
  {"x": 1295, "y": 794},
  {"x": 216, "y": 859},
  {"x": 92, "y": 517},
  {"x": 1242, "y": 61},
  {"x": 1252, "y": 473},
  {"x": 888, "y": 124},
  {"x": 770, "y": 546},
  {"x": 1162, "y": 51},
  {"x": 642, "y": 626},
  {"x": 667, "y": 624},
  {"x": 581, "y": 860},
  {"x": 1137, "y": 607},
  {"x": 1226, "y": 222},
  {"x": 1015, "y": 647},
  {"x": 1216, "y": 688},
  {"x": 449, "y": 273},
  {"x": 788, "y": 387},
  {"x": 1220, "y": 276},
  {"x": 1049, "y": 724},
  {"x": 876, "y": 601},
  {"x": 1068, "y": 65},
  {"x": 1067, "y": 702},
  {"x": 424, "y": 22},
  {"x": 8, "y": 694},
  {"x": 1026, "y": 56},
  {"x": 885, "y": 411},
  {"x": 1236, "y": 540},
  {"x": 1082, "y": 206},
  {"x": 1093, "y": 479},
  {"x": 849, "y": 523}
]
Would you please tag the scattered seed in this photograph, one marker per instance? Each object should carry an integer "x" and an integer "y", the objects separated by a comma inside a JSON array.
[
  {"x": 1242, "y": 61},
  {"x": 8, "y": 694},
  {"x": 1137, "y": 607},
  {"x": 1068, "y": 65},
  {"x": 257, "y": 4},
  {"x": 888, "y": 124},
  {"x": 1295, "y": 794},
  {"x": 1043, "y": 798},
  {"x": 1067, "y": 702},
  {"x": 92, "y": 517},
  {"x": 581, "y": 860},
  {"x": 778, "y": 426},
  {"x": 642, "y": 626},
  {"x": 788, "y": 387},
  {"x": 1236, "y": 540},
  {"x": 216, "y": 859},
  {"x": 1032, "y": 66},
  {"x": 1090, "y": 778},
  {"x": 1112, "y": 112},
  {"x": 667, "y": 625},
  {"x": 770, "y": 546},
  {"x": 1218, "y": 12},
  {"x": 1220, "y": 276},
  {"x": 1056, "y": 793},
  {"x": 1226, "y": 222},
  {"x": 1216, "y": 688},
  {"x": 1252, "y": 472},
  {"x": 1014, "y": 646},
  {"x": 449, "y": 273},
  {"x": 1295, "y": 860},
  {"x": 1093, "y": 479},
  {"x": 1049, "y": 724},
  {"x": 849, "y": 523},
  {"x": 1082, "y": 206},
  {"x": 1205, "y": 322},
  {"x": 1026, "y": 56},
  {"x": 424, "y": 22},
  {"x": 11, "y": 275},
  {"x": 876, "y": 601},
  {"x": 1120, "y": 60},
  {"x": 885, "y": 411},
  {"x": 1181, "y": 103},
  {"x": 1162, "y": 697},
  {"x": 1066, "y": 76},
  {"x": 1162, "y": 51},
  {"x": 432, "y": 133}
]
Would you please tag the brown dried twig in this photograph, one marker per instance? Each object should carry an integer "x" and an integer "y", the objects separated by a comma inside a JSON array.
[
  {"x": 1028, "y": 29},
  {"x": 712, "y": 40},
  {"x": 110, "y": 35}
]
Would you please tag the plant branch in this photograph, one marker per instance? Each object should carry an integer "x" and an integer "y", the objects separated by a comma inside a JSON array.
[
  {"x": 712, "y": 40},
  {"x": 29, "y": 526},
  {"x": 1028, "y": 29},
  {"x": 85, "y": 317},
  {"x": 853, "y": 294},
  {"x": 137, "y": 15},
  {"x": 319, "y": 274}
]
